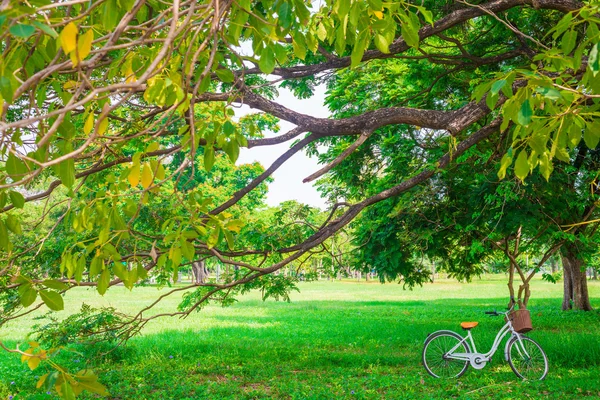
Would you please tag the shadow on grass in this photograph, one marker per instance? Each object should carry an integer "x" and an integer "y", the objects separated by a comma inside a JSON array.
[{"x": 341, "y": 349}]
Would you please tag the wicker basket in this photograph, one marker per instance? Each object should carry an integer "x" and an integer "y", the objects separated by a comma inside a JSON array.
[{"x": 521, "y": 320}]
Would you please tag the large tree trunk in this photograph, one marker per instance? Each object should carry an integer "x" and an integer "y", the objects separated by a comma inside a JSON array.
[
  {"x": 200, "y": 272},
  {"x": 575, "y": 282}
]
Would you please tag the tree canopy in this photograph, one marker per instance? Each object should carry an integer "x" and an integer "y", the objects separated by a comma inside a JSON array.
[{"x": 111, "y": 109}]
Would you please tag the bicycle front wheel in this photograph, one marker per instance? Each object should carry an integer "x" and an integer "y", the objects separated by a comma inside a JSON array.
[
  {"x": 527, "y": 359},
  {"x": 435, "y": 355}
]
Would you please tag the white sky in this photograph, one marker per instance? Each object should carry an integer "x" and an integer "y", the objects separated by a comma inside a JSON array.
[{"x": 287, "y": 184}]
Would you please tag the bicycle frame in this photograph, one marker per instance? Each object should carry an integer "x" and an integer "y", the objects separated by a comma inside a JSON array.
[{"x": 479, "y": 360}]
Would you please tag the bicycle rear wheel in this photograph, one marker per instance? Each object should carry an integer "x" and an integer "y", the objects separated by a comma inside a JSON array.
[
  {"x": 527, "y": 359},
  {"x": 435, "y": 361}
]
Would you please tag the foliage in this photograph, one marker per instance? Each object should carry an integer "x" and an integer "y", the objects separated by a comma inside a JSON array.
[
  {"x": 111, "y": 109},
  {"x": 88, "y": 326}
]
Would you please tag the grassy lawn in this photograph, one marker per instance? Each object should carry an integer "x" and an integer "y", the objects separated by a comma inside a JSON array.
[{"x": 335, "y": 340}]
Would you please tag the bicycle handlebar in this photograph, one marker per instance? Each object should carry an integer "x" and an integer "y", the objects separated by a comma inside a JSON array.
[{"x": 496, "y": 313}]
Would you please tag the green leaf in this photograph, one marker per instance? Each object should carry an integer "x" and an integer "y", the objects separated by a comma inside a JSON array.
[
  {"x": 79, "y": 268},
  {"x": 497, "y": 86},
  {"x": 525, "y": 113},
  {"x": 358, "y": 51},
  {"x": 4, "y": 242},
  {"x": 594, "y": 60},
  {"x": 410, "y": 29},
  {"x": 187, "y": 249},
  {"x": 46, "y": 29},
  {"x": 551, "y": 93},
  {"x": 121, "y": 272},
  {"x": 6, "y": 89},
  {"x": 427, "y": 15},
  {"x": 321, "y": 32},
  {"x": 27, "y": 294},
  {"x": 15, "y": 168},
  {"x": 213, "y": 239},
  {"x": 175, "y": 256},
  {"x": 96, "y": 267},
  {"x": 17, "y": 199},
  {"x": 232, "y": 149},
  {"x": 522, "y": 165},
  {"x": 574, "y": 136},
  {"x": 340, "y": 41},
  {"x": 545, "y": 165},
  {"x": 591, "y": 135},
  {"x": 103, "y": 282},
  {"x": 92, "y": 385},
  {"x": 209, "y": 157},
  {"x": 381, "y": 43},
  {"x": 569, "y": 40},
  {"x": 54, "y": 284},
  {"x": 224, "y": 75},
  {"x": 302, "y": 11},
  {"x": 229, "y": 238},
  {"x": 286, "y": 16},
  {"x": 491, "y": 100},
  {"x": 299, "y": 45},
  {"x": 141, "y": 272},
  {"x": 376, "y": 5},
  {"x": 13, "y": 224},
  {"x": 53, "y": 300},
  {"x": 22, "y": 30},
  {"x": 67, "y": 391},
  {"x": 267, "y": 60},
  {"x": 66, "y": 172},
  {"x": 228, "y": 128},
  {"x": 234, "y": 225},
  {"x": 504, "y": 164}
]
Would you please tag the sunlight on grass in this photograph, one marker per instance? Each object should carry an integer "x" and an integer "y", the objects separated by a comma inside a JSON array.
[{"x": 334, "y": 340}]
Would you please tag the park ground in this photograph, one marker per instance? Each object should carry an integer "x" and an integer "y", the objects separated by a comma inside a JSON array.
[{"x": 335, "y": 340}]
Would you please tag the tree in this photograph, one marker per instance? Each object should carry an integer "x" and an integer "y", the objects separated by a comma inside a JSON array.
[
  {"x": 393, "y": 245},
  {"x": 99, "y": 98}
]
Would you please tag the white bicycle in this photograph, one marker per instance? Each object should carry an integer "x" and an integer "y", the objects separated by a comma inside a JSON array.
[{"x": 447, "y": 354}]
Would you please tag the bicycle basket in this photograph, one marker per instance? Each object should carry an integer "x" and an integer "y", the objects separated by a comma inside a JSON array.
[{"x": 521, "y": 320}]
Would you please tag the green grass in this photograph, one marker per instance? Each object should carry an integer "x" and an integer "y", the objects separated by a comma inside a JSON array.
[{"x": 335, "y": 340}]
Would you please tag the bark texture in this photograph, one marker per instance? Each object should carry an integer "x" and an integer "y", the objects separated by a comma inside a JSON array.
[
  {"x": 200, "y": 272},
  {"x": 575, "y": 282}
]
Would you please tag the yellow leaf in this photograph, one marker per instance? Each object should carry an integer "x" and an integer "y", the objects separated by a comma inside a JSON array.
[
  {"x": 41, "y": 381},
  {"x": 74, "y": 58},
  {"x": 146, "y": 176},
  {"x": 70, "y": 85},
  {"x": 127, "y": 71},
  {"x": 160, "y": 172},
  {"x": 33, "y": 362},
  {"x": 102, "y": 126},
  {"x": 378, "y": 14},
  {"x": 234, "y": 225},
  {"x": 134, "y": 175},
  {"x": 34, "y": 344},
  {"x": 27, "y": 355},
  {"x": 152, "y": 147},
  {"x": 89, "y": 124},
  {"x": 68, "y": 38},
  {"x": 84, "y": 44}
]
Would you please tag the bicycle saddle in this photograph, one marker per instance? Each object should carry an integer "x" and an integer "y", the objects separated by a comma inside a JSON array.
[{"x": 468, "y": 325}]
